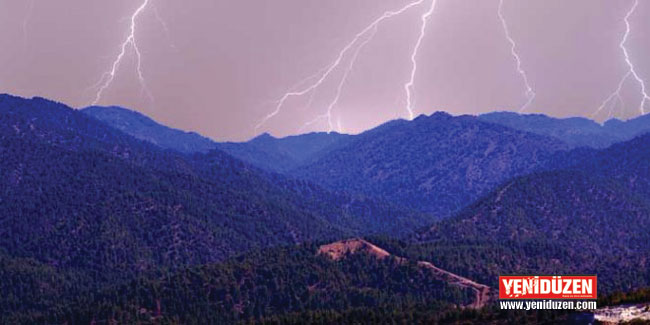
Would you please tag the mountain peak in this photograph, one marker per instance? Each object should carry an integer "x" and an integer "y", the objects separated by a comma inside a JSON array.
[
  {"x": 144, "y": 128},
  {"x": 613, "y": 122},
  {"x": 438, "y": 115},
  {"x": 35, "y": 101},
  {"x": 263, "y": 137}
]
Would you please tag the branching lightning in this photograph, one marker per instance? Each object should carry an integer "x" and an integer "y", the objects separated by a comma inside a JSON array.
[
  {"x": 164, "y": 26},
  {"x": 410, "y": 83},
  {"x": 616, "y": 95},
  {"x": 130, "y": 41},
  {"x": 337, "y": 62},
  {"x": 414, "y": 64},
  {"x": 530, "y": 93},
  {"x": 344, "y": 63},
  {"x": 359, "y": 42},
  {"x": 339, "y": 89},
  {"x": 344, "y": 79},
  {"x": 614, "y": 98}
]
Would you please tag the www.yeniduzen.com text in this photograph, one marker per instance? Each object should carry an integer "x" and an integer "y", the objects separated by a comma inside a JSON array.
[{"x": 547, "y": 304}]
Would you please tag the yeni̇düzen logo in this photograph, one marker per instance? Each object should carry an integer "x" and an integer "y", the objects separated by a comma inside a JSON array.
[{"x": 548, "y": 287}]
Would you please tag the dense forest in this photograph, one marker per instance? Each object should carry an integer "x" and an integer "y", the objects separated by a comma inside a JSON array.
[
  {"x": 92, "y": 206},
  {"x": 288, "y": 285},
  {"x": 97, "y": 225},
  {"x": 261, "y": 285}
]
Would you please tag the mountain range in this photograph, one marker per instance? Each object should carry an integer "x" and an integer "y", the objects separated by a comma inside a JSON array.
[
  {"x": 576, "y": 131},
  {"x": 108, "y": 216},
  {"x": 285, "y": 154},
  {"x": 436, "y": 164},
  {"x": 97, "y": 205},
  {"x": 265, "y": 151}
]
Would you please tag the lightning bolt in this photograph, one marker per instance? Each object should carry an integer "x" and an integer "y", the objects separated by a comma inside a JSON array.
[
  {"x": 160, "y": 20},
  {"x": 130, "y": 41},
  {"x": 28, "y": 16},
  {"x": 339, "y": 89},
  {"x": 344, "y": 79},
  {"x": 530, "y": 93},
  {"x": 414, "y": 64},
  {"x": 164, "y": 26},
  {"x": 309, "y": 123},
  {"x": 616, "y": 95},
  {"x": 337, "y": 62},
  {"x": 631, "y": 72}
]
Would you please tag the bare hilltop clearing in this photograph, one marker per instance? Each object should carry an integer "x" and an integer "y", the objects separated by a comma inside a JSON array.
[{"x": 343, "y": 248}]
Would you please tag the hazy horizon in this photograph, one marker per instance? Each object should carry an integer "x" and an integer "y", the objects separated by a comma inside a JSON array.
[{"x": 219, "y": 67}]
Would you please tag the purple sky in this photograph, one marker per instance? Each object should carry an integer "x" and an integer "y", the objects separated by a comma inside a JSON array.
[{"x": 219, "y": 66}]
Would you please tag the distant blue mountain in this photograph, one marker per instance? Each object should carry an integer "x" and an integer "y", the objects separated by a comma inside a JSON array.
[
  {"x": 144, "y": 128},
  {"x": 285, "y": 154},
  {"x": 264, "y": 151},
  {"x": 288, "y": 154},
  {"x": 575, "y": 131},
  {"x": 437, "y": 163}
]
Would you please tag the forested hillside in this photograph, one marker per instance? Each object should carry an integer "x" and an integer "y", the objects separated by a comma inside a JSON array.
[
  {"x": 272, "y": 284},
  {"x": 563, "y": 222},
  {"x": 96, "y": 225},
  {"x": 143, "y": 128},
  {"x": 83, "y": 205},
  {"x": 437, "y": 163},
  {"x": 591, "y": 216}
]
